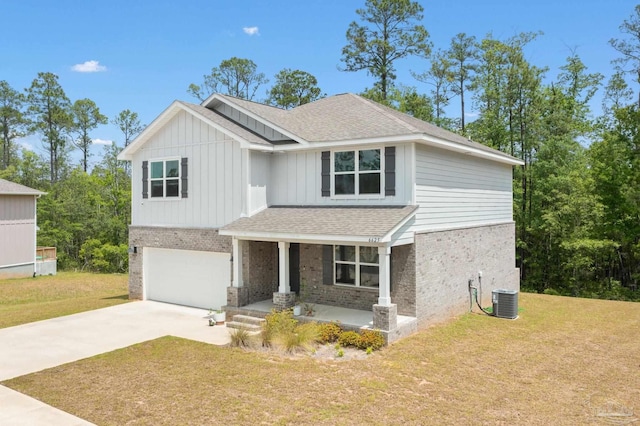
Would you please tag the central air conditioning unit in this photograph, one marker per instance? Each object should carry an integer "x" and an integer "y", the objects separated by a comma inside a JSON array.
[{"x": 505, "y": 303}]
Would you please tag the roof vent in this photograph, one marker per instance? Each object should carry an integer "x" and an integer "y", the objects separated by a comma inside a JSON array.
[{"x": 505, "y": 303}]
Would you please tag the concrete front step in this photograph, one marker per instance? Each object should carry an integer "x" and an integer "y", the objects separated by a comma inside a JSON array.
[
  {"x": 244, "y": 326},
  {"x": 247, "y": 319}
]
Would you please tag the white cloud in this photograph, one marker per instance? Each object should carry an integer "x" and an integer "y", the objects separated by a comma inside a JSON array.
[
  {"x": 89, "y": 66},
  {"x": 101, "y": 142},
  {"x": 251, "y": 30}
]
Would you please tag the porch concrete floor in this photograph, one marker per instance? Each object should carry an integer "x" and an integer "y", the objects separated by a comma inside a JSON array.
[{"x": 326, "y": 313}]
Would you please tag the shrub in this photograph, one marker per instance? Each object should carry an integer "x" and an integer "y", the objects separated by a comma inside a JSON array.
[
  {"x": 329, "y": 332},
  {"x": 299, "y": 338},
  {"x": 349, "y": 338},
  {"x": 277, "y": 322},
  {"x": 371, "y": 339},
  {"x": 240, "y": 338}
]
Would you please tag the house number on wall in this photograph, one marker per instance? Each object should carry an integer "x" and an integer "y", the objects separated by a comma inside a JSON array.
[{"x": 374, "y": 239}]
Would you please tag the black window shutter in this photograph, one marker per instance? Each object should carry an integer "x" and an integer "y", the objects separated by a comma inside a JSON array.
[
  {"x": 145, "y": 179},
  {"x": 390, "y": 170},
  {"x": 184, "y": 177},
  {"x": 326, "y": 173},
  {"x": 327, "y": 265}
]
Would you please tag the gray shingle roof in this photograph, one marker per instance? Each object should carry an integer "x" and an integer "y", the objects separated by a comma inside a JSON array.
[
  {"x": 349, "y": 117},
  {"x": 227, "y": 124},
  {"x": 11, "y": 188},
  {"x": 361, "y": 221}
]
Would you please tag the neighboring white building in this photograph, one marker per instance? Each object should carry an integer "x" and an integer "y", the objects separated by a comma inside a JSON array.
[{"x": 236, "y": 202}]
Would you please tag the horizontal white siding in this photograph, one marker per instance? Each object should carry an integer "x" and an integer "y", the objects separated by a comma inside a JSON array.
[
  {"x": 296, "y": 180},
  {"x": 251, "y": 124},
  {"x": 456, "y": 190},
  {"x": 217, "y": 176}
]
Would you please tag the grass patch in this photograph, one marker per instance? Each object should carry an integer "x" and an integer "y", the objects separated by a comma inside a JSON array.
[
  {"x": 33, "y": 299},
  {"x": 562, "y": 362}
]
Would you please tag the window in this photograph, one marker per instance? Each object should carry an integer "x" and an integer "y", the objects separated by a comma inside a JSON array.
[
  {"x": 357, "y": 266},
  {"x": 164, "y": 178},
  {"x": 357, "y": 172}
]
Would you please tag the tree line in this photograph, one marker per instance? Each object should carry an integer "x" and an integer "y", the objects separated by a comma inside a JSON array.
[
  {"x": 86, "y": 211},
  {"x": 576, "y": 198}
]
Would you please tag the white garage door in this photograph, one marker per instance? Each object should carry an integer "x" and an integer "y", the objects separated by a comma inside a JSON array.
[{"x": 186, "y": 277}]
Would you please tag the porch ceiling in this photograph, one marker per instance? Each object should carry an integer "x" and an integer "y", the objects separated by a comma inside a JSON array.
[{"x": 375, "y": 224}]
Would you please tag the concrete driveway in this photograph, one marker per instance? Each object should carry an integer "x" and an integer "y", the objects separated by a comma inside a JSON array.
[{"x": 36, "y": 346}]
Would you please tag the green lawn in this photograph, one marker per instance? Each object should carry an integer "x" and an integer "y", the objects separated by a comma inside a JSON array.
[
  {"x": 34, "y": 299},
  {"x": 565, "y": 361}
]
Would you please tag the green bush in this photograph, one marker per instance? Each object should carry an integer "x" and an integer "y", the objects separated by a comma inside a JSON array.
[
  {"x": 349, "y": 338},
  {"x": 329, "y": 332},
  {"x": 371, "y": 339}
]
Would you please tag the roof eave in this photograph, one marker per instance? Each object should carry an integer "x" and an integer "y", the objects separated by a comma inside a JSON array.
[
  {"x": 469, "y": 150},
  {"x": 210, "y": 101},
  {"x": 294, "y": 237}
]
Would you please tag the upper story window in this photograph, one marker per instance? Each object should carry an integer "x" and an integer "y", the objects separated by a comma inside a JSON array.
[
  {"x": 357, "y": 172},
  {"x": 164, "y": 178}
]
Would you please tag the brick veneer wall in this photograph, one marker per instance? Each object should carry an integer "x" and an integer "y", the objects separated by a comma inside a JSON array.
[
  {"x": 445, "y": 261},
  {"x": 202, "y": 239},
  {"x": 403, "y": 278},
  {"x": 260, "y": 269}
]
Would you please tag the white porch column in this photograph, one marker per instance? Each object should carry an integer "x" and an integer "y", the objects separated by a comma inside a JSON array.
[
  {"x": 384, "y": 291},
  {"x": 237, "y": 262},
  {"x": 283, "y": 263}
]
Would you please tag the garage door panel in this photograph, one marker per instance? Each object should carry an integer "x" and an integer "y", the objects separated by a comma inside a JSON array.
[{"x": 187, "y": 277}]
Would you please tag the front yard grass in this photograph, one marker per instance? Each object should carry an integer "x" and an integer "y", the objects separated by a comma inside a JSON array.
[
  {"x": 564, "y": 361},
  {"x": 33, "y": 299}
]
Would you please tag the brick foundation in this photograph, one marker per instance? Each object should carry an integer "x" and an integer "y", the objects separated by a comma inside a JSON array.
[
  {"x": 284, "y": 300},
  {"x": 237, "y": 296}
]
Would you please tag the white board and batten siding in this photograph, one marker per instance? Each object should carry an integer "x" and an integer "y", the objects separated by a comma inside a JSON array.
[
  {"x": 456, "y": 190},
  {"x": 17, "y": 229},
  {"x": 296, "y": 180},
  {"x": 259, "y": 181},
  {"x": 217, "y": 176}
]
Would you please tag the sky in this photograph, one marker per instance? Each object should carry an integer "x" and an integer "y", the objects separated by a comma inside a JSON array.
[{"x": 142, "y": 55}]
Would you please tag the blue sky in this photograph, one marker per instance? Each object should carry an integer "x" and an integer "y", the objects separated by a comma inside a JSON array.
[{"x": 147, "y": 53}]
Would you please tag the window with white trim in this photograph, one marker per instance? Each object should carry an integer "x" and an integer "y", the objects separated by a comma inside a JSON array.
[
  {"x": 164, "y": 178},
  {"x": 357, "y": 266},
  {"x": 357, "y": 172}
]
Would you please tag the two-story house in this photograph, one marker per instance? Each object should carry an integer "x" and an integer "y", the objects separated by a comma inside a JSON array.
[{"x": 368, "y": 208}]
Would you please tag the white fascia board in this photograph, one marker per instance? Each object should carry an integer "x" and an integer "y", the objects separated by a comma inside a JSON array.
[
  {"x": 162, "y": 119},
  {"x": 469, "y": 150},
  {"x": 304, "y": 238},
  {"x": 349, "y": 143},
  {"x": 243, "y": 142},
  {"x": 256, "y": 117},
  {"x": 388, "y": 235},
  {"x": 418, "y": 138}
]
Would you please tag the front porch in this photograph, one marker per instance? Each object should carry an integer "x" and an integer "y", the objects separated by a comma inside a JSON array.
[{"x": 351, "y": 319}]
